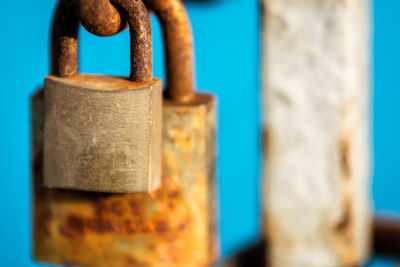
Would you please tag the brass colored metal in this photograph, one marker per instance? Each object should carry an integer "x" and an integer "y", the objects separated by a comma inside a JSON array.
[
  {"x": 99, "y": 136},
  {"x": 102, "y": 133},
  {"x": 173, "y": 226},
  {"x": 65, "y": 44}
]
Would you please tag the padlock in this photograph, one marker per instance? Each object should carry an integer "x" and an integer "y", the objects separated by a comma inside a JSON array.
[
  {"x": 176, "y": 225},
  {"x": 102, "y": 133}
]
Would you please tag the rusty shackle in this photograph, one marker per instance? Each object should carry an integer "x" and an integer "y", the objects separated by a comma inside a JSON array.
[
  {"x": 178, "y": 48},
  {"x": 64, "y": 42},
  {"x": 101, "y": 18}
]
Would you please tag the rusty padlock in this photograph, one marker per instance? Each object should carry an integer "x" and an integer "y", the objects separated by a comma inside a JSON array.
[
  {"x": 102, "y": 133},
  {"x": 173, "y": 226}
]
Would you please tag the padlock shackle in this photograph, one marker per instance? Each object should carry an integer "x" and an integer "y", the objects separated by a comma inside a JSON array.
[
  {"x": 178, "y": 48},
  {"x": 64, "y": 42},
  {"x": 100, "y": 18}
]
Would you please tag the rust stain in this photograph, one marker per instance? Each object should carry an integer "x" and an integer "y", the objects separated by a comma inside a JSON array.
[
  {"x": 76, "y": 224},
  {"x": 42, "y": 220},
  {"x": 102, "y": 226},
  {"x": 345, "y": 235},
  {"x": 130, "y": 260},
  {"x": 344, "y": 223},
  {"x": 116, "y": 208},
  {"x": 183, "y": 225},
  {"x": 174, "y": 194},
  {"x": 266, "y": 141},
  {"x": 161, "y": 226},
  {"x": 135, "y": 208},
  {"x": 345, "y": 150}
]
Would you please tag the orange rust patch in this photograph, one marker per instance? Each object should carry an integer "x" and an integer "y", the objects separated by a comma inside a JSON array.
[
  {"x": 116, "y": 208},
  {"x": 344, "y": 225},
  {"x": 161, "y": 226},
  {"x": 345, "y": 235},
  {"x": 76, "y": 224},
  {"x": 183, "y": 225},
  {"x": 174, "y": 194},
  {"x": 135, "y": 208},
  {"x": 266, "y": 141},
  {"x": 344, "y": 222},
  {"x": 131, "y": 261},
  {"x": 179, "y": 137}
]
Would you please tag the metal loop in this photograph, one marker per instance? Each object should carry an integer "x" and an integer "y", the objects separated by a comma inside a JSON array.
[
  {"x": 178, "y": 47},
  {"x": 64, "y": 43}
]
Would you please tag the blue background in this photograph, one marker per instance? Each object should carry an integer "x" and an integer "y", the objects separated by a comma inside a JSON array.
[{"x": 227, "y": 60}]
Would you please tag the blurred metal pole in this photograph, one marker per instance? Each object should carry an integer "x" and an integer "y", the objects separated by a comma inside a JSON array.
[{"x": 316, "y": 60}]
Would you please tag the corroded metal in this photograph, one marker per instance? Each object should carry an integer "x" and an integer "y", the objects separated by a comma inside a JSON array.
[
  {"x": 174, "y": 226},
  {"x": 64, "y": 42},
  {"x": 65, "y": 45},
  {"x": 178, "y": 47},
  {"x": 100, "y": 17}
]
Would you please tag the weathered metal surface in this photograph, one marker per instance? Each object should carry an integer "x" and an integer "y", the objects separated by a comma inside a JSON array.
[
  {"x": 178, "y": 47},
  {"x": 102, "y": 134},
  {"x": 100, "y": 17},
  {"x": 316, "y": 59},
  {"x": 174, "y": 226},
  {"x": 65, "y": 44}
]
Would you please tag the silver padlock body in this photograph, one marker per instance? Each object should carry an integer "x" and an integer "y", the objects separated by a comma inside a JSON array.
[{"x": 102, "y": 134}]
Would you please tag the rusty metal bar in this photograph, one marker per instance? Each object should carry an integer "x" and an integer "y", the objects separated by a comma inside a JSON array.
[
  {"x": 64, "y": 42},
  {"x": 178, "y": 46},
  {"x": 141, "y": 42},
  {"x": 100, "y": 17}
]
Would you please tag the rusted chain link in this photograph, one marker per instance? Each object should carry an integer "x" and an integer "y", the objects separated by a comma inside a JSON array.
[
  {"x": 100, "y": 17},
  {"x": 141, "y": 41},
  {"x": 64, "y": 41}
]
